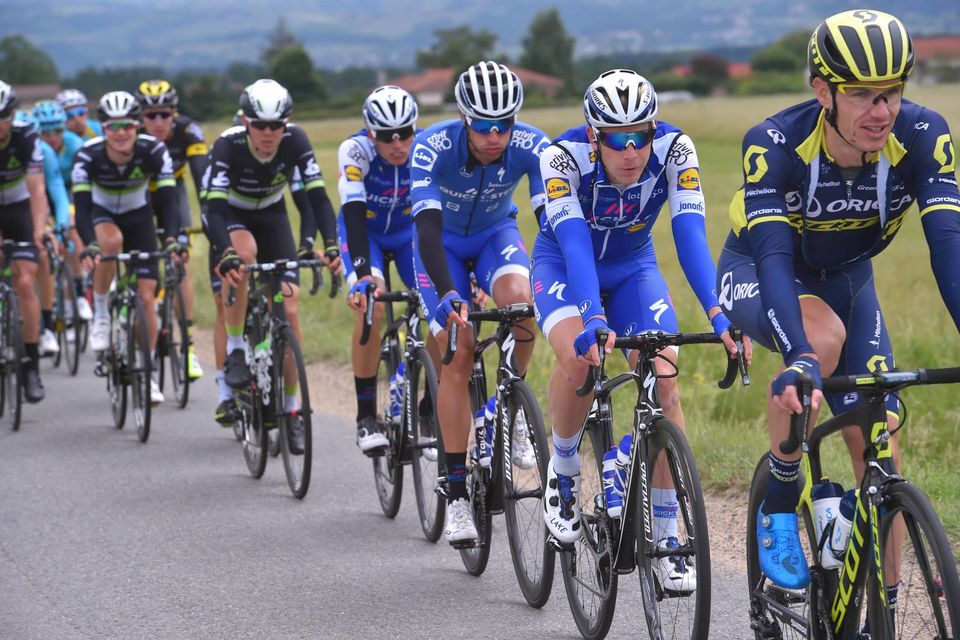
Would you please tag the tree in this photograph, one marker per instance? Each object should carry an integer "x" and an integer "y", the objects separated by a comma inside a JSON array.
[
  {"x": 280, "y": 40},
  {"x": 548, "y": 48},
  {"x": 293, "y": 68},
  {"x": 710, "y": 67},
  {"x": 205, "y": 98},
  {"x": 787, "y": 54},
  {"x": 23, "y": 63},
  {"x": 458, "y": 48}
]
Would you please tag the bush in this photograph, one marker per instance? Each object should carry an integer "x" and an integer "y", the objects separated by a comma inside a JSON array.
[{"x": 769, "y": 83}]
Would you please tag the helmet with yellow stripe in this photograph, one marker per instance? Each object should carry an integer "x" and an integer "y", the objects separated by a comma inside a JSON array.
[
  {"x": 157, "y": 93},
  {"x": 860, "y": 46}
]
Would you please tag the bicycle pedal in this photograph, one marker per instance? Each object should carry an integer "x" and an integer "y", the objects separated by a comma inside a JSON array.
[
  {"x": 461, "y": 545},
  {"x": 376, "y": 452},
  {"x": 558, "y": 546}
]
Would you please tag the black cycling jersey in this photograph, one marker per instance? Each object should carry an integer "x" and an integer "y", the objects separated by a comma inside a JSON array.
[
  {"x": 18, "y": 157},
  {"x": 186, "y": 145},
  {"x": 239, "y": 180},
  {"x": 98, "y": 182}
]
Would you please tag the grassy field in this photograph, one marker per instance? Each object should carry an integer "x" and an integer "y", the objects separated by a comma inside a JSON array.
[{"x": 727, "y": 429}]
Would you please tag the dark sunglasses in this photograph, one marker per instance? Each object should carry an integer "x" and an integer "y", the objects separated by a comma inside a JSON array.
[
  {"x": 6, "y": 115},
  {"x": 487, "y": 126},
  {"x": 619, "y": 140},
  {"x": 389, "y": 135},
  {"x": 79, "y": 111},
  {"x": 273, "y": 125},
  {"x": 158, "y": 115}
]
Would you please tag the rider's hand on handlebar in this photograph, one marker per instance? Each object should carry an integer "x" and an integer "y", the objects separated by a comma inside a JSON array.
[
  {"x": 357, "y": 296},
  {"x": 722, "y": 327},
  {"x": 446, "y": 313},
  {"x": 784, "y": 386},
  {"x": 331, "y": 256},
  {"x": 230, "y": 267},
  {"x": 585, "y": 343},
  {"x": 91, "y": 255}
]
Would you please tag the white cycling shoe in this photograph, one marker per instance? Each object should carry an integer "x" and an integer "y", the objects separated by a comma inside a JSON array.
[{"x": 459, "y": 527}]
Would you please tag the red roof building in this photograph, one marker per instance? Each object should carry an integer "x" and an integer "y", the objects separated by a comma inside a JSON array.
[{"x": 430, "y": 87}]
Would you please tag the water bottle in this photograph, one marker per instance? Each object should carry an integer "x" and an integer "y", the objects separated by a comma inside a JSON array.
[
  {"x": 842, "y": 526},
  {"x": 396, "y": 392},
  {"x": 489, "y": 420},
  {"x": 610, "y": 477},
  {"x": 623, "y": 461},
  {"x": 826, "y": 504}
]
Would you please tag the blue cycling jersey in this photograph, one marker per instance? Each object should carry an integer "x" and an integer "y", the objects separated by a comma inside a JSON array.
[
  {"x": 471, "y": 196},
  {"x": 56, "y": 190},
  {"x": 797, "y": 213},
  {"x": 593, "y": 220},
  {"x": 65, "y": 154},
  {"x": 364, "y": 176}
]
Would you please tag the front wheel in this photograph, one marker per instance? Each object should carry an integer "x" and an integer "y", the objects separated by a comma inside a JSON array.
[
  {"x": 67, "y": 322},
  {"x": 387, "y": 468},
  {"x": 674, "y": 565},
  {"x": 12, "y": 362},
  {"x": 525, "y": 441},
  {"x": 292, "y": 408},
  {"x": 420, "y": 402},
  {"x": 139, "y": 369},
  {"x": 115, "y": 365},
  {"x": 476, "y": 556},
  {"x": 253, "y": 439}
]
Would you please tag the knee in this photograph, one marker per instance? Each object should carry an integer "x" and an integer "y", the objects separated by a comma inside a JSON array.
[
  {"x": 669, "y": 392},
  {"x": 572, "y": 370},
  {"x": 512, "y": 289},
  {"x": 111, "y": 242}
]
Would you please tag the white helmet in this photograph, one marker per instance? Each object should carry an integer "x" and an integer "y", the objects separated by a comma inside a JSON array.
[
  {"x": 8, "y": 97},
  {"x": 266, "y": 100},
  {"x": 70, "y": 98},
  {"x": 389, "y": 107},
  {"x": 489, "y": 91},
  {"x": 118, "y": 105},
  {"x": 619, "y": 98}
]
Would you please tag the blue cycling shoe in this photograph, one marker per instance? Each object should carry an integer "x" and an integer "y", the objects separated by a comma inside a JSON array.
[{"x": 778, "y": 545}]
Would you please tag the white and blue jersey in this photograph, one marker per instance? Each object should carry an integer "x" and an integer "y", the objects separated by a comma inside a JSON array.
[
  {"x": 478, "y": 214},
  {"x": 384, "y": 190},
  {"x": 595, "y": 236}
]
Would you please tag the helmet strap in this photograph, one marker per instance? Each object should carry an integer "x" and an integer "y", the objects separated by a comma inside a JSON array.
[{"x": 830, "y": 116}]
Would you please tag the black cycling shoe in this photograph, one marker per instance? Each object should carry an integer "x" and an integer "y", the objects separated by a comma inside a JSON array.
[
  {"x": 227, "y": 413},
  {"x": 295, "y": 435},
  {"x": 32, "y": 387},
  {"x": 236, "y": 373}
]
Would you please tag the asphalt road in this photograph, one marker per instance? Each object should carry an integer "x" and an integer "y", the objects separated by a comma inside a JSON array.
[{"x": 103, "y": 537}]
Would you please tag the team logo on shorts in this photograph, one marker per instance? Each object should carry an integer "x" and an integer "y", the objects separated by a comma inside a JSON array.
[
  {"x": 557, "y": 188},
  {"x": 353, "y": 173},
  {"x": 689, "y": 180}
]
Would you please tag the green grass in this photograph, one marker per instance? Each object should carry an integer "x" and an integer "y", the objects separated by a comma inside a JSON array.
[{"x": 727, "y": 429}]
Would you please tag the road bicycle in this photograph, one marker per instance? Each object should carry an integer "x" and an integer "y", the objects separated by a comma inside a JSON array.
[
  {"x": 173, "y": 332},
  {"x": 67, "y": 324},
  {"x": 12, "y": 351}
]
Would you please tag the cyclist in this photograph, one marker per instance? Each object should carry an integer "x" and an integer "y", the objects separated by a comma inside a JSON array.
[
  {"x": 595, "y": 268},
  {"x": 463, "y": 175},
  {"x": 374, "y": 186},
  {"x": 184, "y": 140},
  {"x": 248, "y": 218},
  {"x": 115, "y": 210},
  {"x": 60, "y": 205},
  {"x": 65, "y": 143},
  {"x": 74, "y": 103},
  {"x": 23, "y": 213},
  {"x": 827, "y": 184}
]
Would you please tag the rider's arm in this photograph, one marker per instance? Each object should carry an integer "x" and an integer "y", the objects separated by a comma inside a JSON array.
[
  {"x": 197, "y": 155},
  {"x": 165, "y": 197},
  {"x": 538, "y": 199},
  {"x": 687, "y": 216},
  {"x": 35, "y": 185},
  {"x": 217, "y": 188},
  {"x": 56, "y": 190},
  {"x": 82, "y": 196},
  {"x": 427, "y": 207},
  {"x": 353, "y": 167},
  {"x": 564, "y": 215},
  {"x": 313, "y": 183}
]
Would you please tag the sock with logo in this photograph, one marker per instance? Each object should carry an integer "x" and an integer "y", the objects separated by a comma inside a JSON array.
[{"x": 782, "y": 491}]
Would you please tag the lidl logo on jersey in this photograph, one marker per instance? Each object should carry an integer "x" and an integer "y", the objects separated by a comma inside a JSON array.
[
  {"x": 352, "y": 173},
  {"x": 557, "y": 188},
  {"x": 371, "y": 214},
  {"x": 689, "y": 180}
]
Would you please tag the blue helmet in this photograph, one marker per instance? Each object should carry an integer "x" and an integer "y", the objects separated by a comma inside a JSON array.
[
  {"x": 49, "y": 115},
  {"x": 24, "y": 117}
]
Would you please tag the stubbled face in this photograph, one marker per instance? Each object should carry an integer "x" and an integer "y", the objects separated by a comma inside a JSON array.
[
  {"x": 626, "y": 166},
  {"x": 865, "y": 111}
]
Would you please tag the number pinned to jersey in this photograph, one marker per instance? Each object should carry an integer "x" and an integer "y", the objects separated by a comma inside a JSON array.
[
  {"x": 353, "y": 173},
  {"x": 557, "y": 188},
  {"x": 689, "y": 180}
]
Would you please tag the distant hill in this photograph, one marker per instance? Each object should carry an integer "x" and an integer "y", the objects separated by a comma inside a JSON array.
[{"x": 178, "y": 34}]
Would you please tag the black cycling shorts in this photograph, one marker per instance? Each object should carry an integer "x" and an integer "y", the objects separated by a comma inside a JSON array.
[
  {"x": 271, "y": 231},
  {"x": 139, "y": 234},
  {"x": 16, "y": 223}
]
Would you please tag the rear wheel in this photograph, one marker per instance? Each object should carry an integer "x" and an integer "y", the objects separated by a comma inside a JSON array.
[
  {"x": 420, "y": 402},
  {"x": 254, "y": 438},
  {"x": 114, "y": 363},
  {"x": 533, "y": 559},
  {"x": 67, "y": 322},
  {"x": 178, "y": 346},
  {"x": 13, "y": 358},
  {"x": 475, "y": 557},
  {"x": 387, "y": 469},
  {"x": 290, "y": 379},
  {"x": 138, "y": 360}
]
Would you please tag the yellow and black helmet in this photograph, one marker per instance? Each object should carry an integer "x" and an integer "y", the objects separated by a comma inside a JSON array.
[
  {"x": 860, "y": 46},
  {"x": 157, "y": 93}
]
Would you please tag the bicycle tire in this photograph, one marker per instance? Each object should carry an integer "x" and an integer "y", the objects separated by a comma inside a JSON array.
[
  {"x": 591, "y": 594},
  {"x": 476, "y": 556},
  {"x": 928, "y": 602},
  {"x": 387, "y": 468},
  {"x": 297, "y": 466},
  {"x": 420, "y": 405},
  {"x": 4, "y": 369},
  {"x": 253, "y": 444},
  {"x": 114, "y": 359},
  {"x": 273, "y": 442},
  {"x": 671, "y": 614},
  {"x": 139, "y": 360},
  {"x": 160, "y": 349},
  {"x": 14, "y": 356},
  {"x": 533, "y": 560},
  {"x": 178, "y": 346},
  {"x": 67, "y": 321}
]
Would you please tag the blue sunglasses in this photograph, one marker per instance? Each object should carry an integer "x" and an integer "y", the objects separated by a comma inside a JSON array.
[
  {"x": 619, "y": 140},
  {"x": 73, "y": 113},
  {"x": 487, "y": 126}
]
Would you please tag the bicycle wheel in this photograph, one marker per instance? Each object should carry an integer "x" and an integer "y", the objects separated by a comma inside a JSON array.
[
  {"x": 114, "y": 363},
  {"x": 776, "y": 612},
  {"x": 13, "y": 357},
  {"x": 178, "y": 345},
  {"x": 138, "y": 360},
  {"x": 67, "y": 321},
  {"x": 533, "y": 559},
  {"x": 420, "y": 406},
  {"x": 922, "y": 563},
  {"x": 289, "y": 375},
  {"x": 476, "y": 556},
  {"x": 685, "y": 612},
  {"x": 387, "y": 469},
  {"x": 254, "y": 440}
]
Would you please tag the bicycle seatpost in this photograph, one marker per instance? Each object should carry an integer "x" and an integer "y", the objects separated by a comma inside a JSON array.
[
  {"x": 452, "y": 337},
  {"x": 799, "y": 421}
]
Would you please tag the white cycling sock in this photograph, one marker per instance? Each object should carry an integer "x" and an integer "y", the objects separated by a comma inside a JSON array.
[
  {"x": 101, "y": 305},
  {"x": 226, "y": 393},
  {"x": 234, "y": 343},
  {"x": 665, "y": 507},
  {"x": 566, "y": 456}
]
